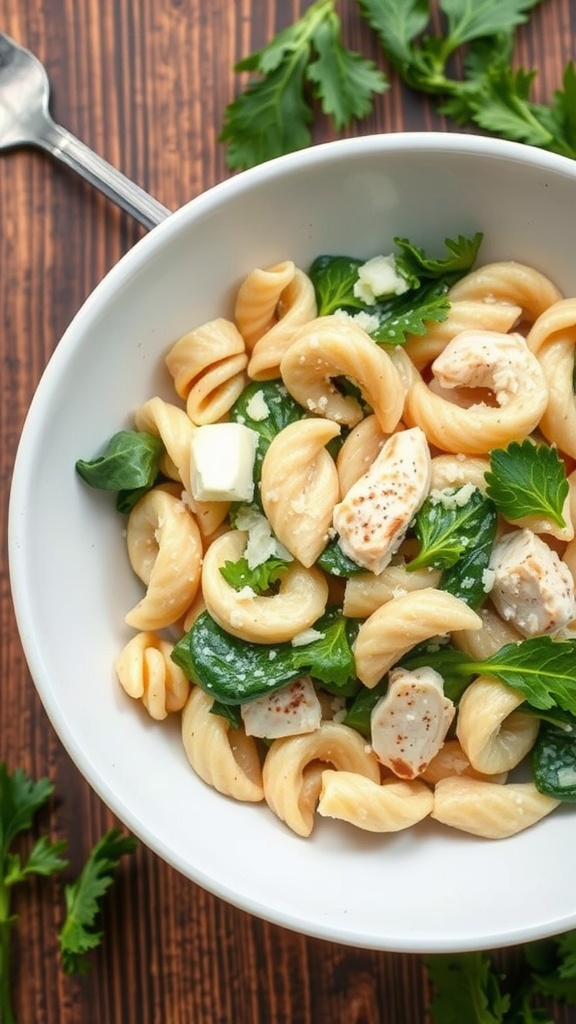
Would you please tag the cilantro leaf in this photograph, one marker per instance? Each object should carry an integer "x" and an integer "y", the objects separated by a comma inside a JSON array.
[
  {"x": 474, "y": 19},
  {"x": 272, "y": 116},
  {"x": 527, "y": 479},
  {"x": 467, "y": 988},
  {"x": 79, "y": 933},
  {"x": 259, "y": 579},
  {"x": 410, "y": 313}
]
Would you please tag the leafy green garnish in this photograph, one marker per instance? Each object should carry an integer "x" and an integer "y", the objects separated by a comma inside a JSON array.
[
  {"x": 272, "y": 116},
  {"x": 259, "y": 578},
  {"x": 79, "y": 933},
  {"x": 457, "y": 537},
  {"x": 542, "y": 669},
  {"x": 415, "y": 264},
  {"x": 466, "y": 988},
  {"x": 396, "y": 316},
  {"x": 336, "y": 563},
  {"x": 129, "y": 465},
  {"x": 235, "y": 671},
  {"x": 554, "y": 762},
  {"x": 527, "y": 479},
  {"x": 282, "y": 410},
  {"x": 21, "y": 798},
  {"x": 360, "y": 710},
  {"x": 447, "y": 526}
]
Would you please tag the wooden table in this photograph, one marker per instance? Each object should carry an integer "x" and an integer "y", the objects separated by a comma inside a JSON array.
[{"x": 145, "y": 84}]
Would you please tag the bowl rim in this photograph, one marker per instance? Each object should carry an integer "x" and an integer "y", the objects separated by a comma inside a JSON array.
[{"x": 126, "y": 266}]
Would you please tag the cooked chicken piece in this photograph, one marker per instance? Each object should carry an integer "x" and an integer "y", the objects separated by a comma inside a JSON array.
[
  {"x": 502, "y": 363},
  {"x": 374, "y": 515},
  {"x": 409, "y": 724},
  {"x": 290, "y": 711},
  {"x": 532, "y": 587}
]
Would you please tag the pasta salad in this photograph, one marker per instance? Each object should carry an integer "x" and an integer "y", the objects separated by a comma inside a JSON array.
[{"x": 354, "y": 527}]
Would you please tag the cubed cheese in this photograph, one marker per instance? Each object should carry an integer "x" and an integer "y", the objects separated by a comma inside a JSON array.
[
  {"x": 379, "y": 276},
  {"x": 222, "y": 462}
]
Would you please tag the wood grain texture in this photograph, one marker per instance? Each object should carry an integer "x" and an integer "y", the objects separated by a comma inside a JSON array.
[{"x": 145, "y": 84}]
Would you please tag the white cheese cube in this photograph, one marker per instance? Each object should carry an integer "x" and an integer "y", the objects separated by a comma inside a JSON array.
[
  {"x": 379, "y": 276},
  {"x": 222, "y": 462}
]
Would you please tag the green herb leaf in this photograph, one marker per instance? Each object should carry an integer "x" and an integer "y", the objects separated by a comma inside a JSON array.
[
  {"x": 527, "y": 480},
  {"x": 410, "y": 313},
  {"x": 462, "y": 254},
  {"x": 542, "y": 669},
  {"x": 446, "y": 527},
  {"x": 259, "y": 579},
  {"x": 272, "y": 116},
  {"x": 21, "y": 798},
  {"x": 468, "y": 20},
  {"x": 466, "y": 987},
  {"x": 344, "y": 82},
  {"x": 234, "y": 671},
  {"x": 79, "y": 933}
]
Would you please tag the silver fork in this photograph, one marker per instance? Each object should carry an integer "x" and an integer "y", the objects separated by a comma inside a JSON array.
[{"x": 25, "y": 120}]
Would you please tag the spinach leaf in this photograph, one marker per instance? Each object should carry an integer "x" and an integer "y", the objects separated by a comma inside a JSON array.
[
  {"x": 527, "y": 480},
  {"x": 457, "y": 537},
  {"x": 281, "y": 410},
  {"x": 128, "y": 465},
  {"x": 554, "y": 763},
  {"x": 447, "y": 525},
  {"x": 336, "y": 563},
  {"x": 358, "y": 714},
  {"x": 334, "y": 278},
  {"x": 235, "y": 671}
]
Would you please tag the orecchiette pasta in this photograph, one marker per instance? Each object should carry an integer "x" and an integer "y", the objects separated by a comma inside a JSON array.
[
  {"x": 257, "y": 300},
  {"x": 493, "y": 734},
  {"x": 297, "y": 305},
  {"x": 331, "y": 608}
]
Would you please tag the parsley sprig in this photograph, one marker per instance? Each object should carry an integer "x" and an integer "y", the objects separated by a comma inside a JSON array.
[
  {"x": 79, "y": 933},
  {"x": 308, "y": 61},
  {"x": 473, "y": 987},
  {"x": 305, "y": 61},
  {"x": 21, "y": 798}
]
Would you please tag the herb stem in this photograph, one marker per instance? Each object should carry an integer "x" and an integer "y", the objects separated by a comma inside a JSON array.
[{"x": 6, "y": 1014}]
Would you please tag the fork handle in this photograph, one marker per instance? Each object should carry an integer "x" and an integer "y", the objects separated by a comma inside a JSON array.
[{"x": 63, "y": 145}]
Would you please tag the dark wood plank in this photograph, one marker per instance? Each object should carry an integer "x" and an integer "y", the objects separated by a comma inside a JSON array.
[{"x": 146, "y": 85}]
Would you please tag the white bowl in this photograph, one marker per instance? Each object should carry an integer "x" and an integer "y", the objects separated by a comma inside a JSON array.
[{"x": 427, "y": 889}]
